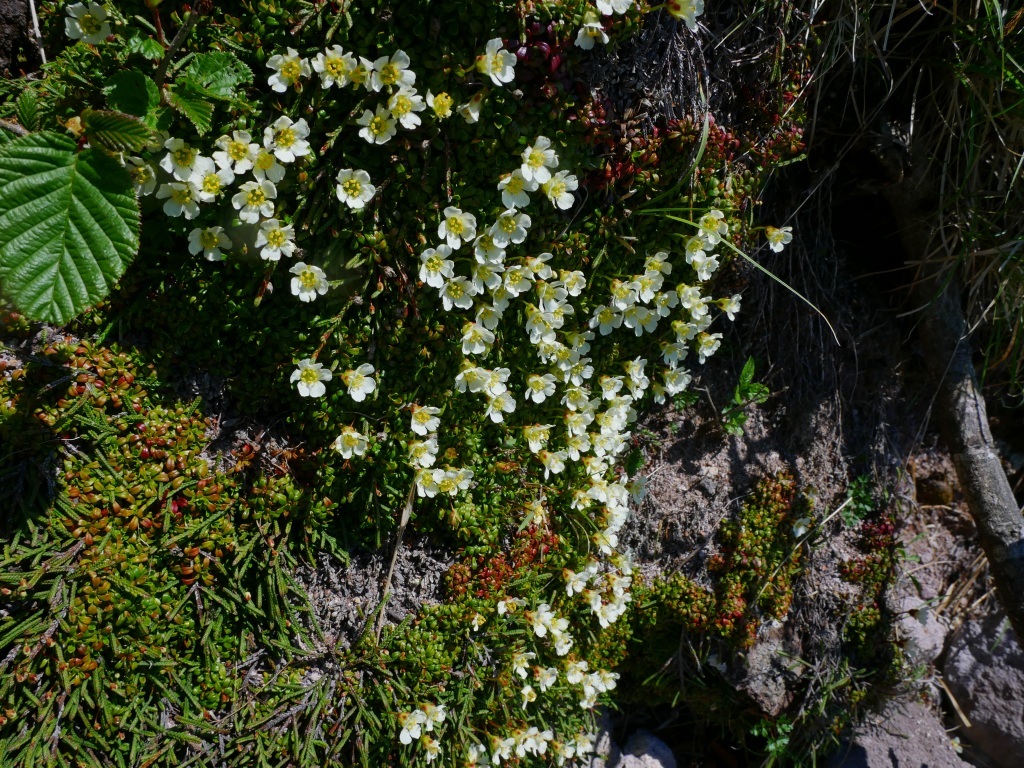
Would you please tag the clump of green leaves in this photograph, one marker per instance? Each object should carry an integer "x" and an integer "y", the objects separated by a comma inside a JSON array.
[{"x": 748, "y": 392}]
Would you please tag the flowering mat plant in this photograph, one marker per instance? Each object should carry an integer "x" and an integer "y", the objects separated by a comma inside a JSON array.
[{"x": 423, "y": 243}]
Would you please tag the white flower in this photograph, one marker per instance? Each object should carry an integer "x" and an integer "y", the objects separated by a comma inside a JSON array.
[
  {"x": 87, "y": 24},
  {"x": 237, "y": 152},
  {"x": 497, "y": 63},
  {"x": 476, "y": 339},
  {"x": 537, "y": 160},
  {"x": 354, "y": 188},
  {"x": 359, "y": 75},
  {"x": 276, "y": 241},
  {"x": 510, "y": 228},
  {"x": 486, "y": 252},
  {"x": 608, "y": 7},
  {"x": 404, "y": 105},
  {"x": 410, "y": 722},
  {"x": 334, "y": 66},
  {"x": 540, "y": 387},
  {"x": 378, "y": 127},
  {"x": 553, "y": 461},
  {"x": 730, "y": 306},
  {"x": 350, "y": 443},
  {"x": 707, "y": 345},
  {"x": 513, "y": 188},
  {"x": 180, "y": 160},
  {"x": 518, "y": 279},
  {"x": 574, "y": 282},
  {"x": 360, "y": 382},
  {"x": 423, "y": 453},
  {"x": 441, "y": 103},
  {"x": 687, "y": 10},
  {"x": 589, "y": 34},
  {"x": 546, "y": 678},
  {"x": 392, "y": 72},
  {"x": 143, "y": 176},
  {"x": 705, "y": 265},
  {"x": 309, "y": 281},
  {"x": 456, "y": 227},
  {"x": 470, "y": 111},
  {"x": 537, "y": 435},
  {"x": 288, "y": 69},
  {"x": 434, "y": 713},
  {"x": 559, "y": 189},
  {"x": 457, "y": 292},
  {"x": 424, "y": 419},
  {"x": 255, "y": 199},
  {"x": 266, "y": 168},
  {"x": 432, "y": 748},
  {"x": 498, "y": 406},
  {"x": 210, "y": 180},
  {"x": 711, "y": 227},
  {"x": 575, "y": 671},
  {"x": 778, "y": 238},
  {"x": 426, "y": 483},
  {"x": 287, "y": 139},
  {"x": 435, "y": 266},
  {"x": 521, "y": 660},
  {"x": 182, "y": 199},
  {"x": 529, "y": 695},
  {"x": 311, "y": 377},
  {"x": 605, "y": 319},
  {"x": 488, "y": 275},
  {"x": 210, "y": 241}
]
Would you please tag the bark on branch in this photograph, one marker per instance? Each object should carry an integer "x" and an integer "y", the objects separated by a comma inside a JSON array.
[{"x": 961, "y": 411}]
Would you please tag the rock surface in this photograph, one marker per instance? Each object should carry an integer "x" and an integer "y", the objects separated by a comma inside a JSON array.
[
  {"x": 644, "y": 750},
  {"x": 984, "y": 670},
  {"x": 905, "y": 734}
]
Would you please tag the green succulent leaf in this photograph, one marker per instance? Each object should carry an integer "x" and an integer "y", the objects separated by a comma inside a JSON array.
[
  {"x": 218, "y": 73},
  {"x": 69, "y": 225},
  {"x": 132, "y": 92},
  {"x": 191, "y": 100},
  {"x": 115, "y": 131}
]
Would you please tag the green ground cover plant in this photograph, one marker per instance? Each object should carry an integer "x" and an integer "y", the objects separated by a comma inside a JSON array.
[{"x": 407, "y": 235}]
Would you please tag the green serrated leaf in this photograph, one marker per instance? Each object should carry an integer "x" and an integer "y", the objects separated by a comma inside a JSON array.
[
  {"x": 218, "y": 73},
  {"x": 191, "y": 100},
  {"x": 147, "y": 47},
  {"x": 69, "y": 225},
  {"x": 132, "y": 92},
  {"x": 115, "y": 131},
  {"x": 6, "y": 137},
  {"x": 27, "y": 109}
]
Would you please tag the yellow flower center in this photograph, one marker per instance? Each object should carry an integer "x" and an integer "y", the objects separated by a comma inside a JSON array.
[
  {"x": 421, "y": 417},
  {"x": 284, "y": 137},
  {"x": 434, "y": 264},
  {"x": 141, "y": 174},
  {"x": 389, "y": 74},
  {"x": 515, "y": 185},
  {"x": 291, "y": 70},
  {"x": 335, "y": 68},
  {"x": 356, "y": 380},
  {"x": 359, "y": 74},
  {"x": 514, "y": 278},
  {"x": 455, "y": 290},
  {"x": 209, "y": 239},
  {"x": 379, "y": 126},
  {"x": 238, "y": 150},
  {"x": 211, "y": 184},
  {"x": 309, "y": 280},
  {"x": 496, "y": 62},
  {"x": 352, "y": 187},
  {"x": 455, "y": 225},
  {"x": 182, "y": 195},
  {"x": 402, "y": 106},
  {"x": 535, "y": 159},
  {"x": 184, "y": 156},
  {"x": 507, "y": 224},
  {"x": 90, "y": 24},
  {"x": 265, "y": 161},
  {"x": 557, "y": 189},
  {"x": 443, "y": 104},
  {"x": 309, "y": 376},
  {"x": 447, "y": 485},
  {"x": 255, "y": 197},
  {"x": 276, "y": 238}
]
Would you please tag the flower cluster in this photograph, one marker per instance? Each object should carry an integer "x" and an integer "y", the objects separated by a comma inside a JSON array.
[{"x": 417, "y": 725}]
